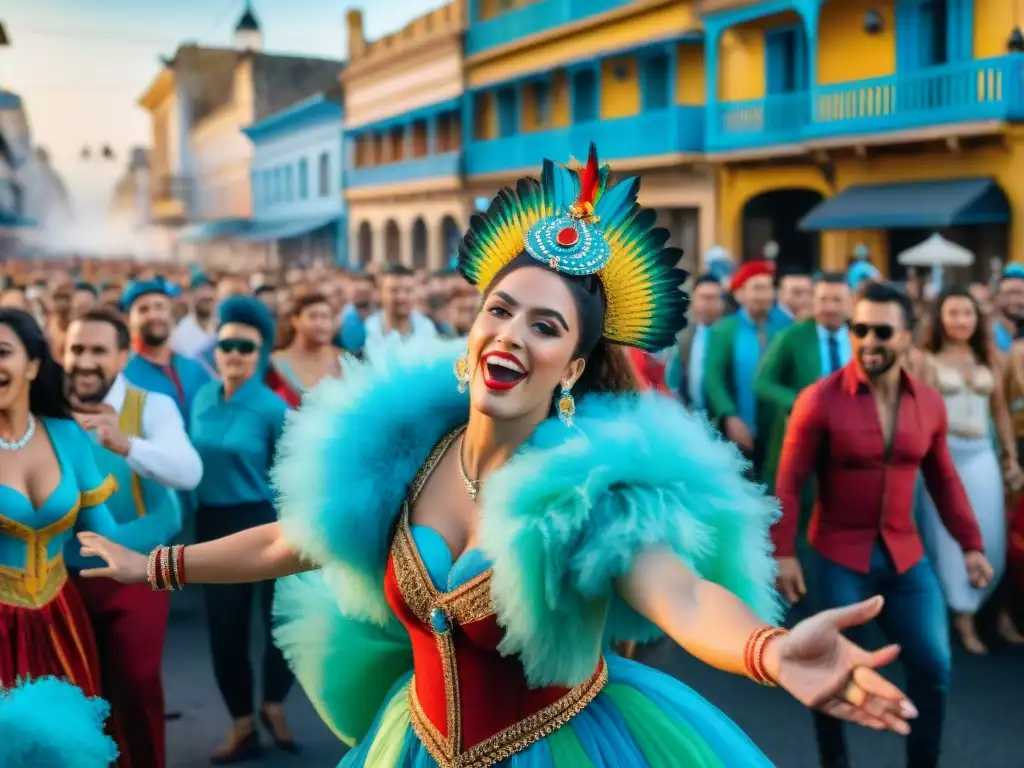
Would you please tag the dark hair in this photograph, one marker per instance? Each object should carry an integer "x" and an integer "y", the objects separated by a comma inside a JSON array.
[
  {"x": 979, "y": 342},
  {"x": 265, "y": 288},
  {"x": 707, "y": 279},
  {"x": 306, "y": 300},
  {"x": 397, "y": 270},
  {"x": 887, "y": 293},
  {"x": 607, "y": 367},
  {"x": 831, "y": 278},
  {"x": 794, "y": 272},
  {"x": 102, "y": 315},
  {"x": 47, "y": 395},
  {"x": 83, "y": 286}
]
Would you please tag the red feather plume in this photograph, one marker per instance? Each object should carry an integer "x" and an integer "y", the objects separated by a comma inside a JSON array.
[{"x": 589, "y": 177}]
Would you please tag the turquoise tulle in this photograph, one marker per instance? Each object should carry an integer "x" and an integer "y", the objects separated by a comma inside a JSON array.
[
  {"x": 642, "y": 719},
  {"x": 48, "y": 723}
]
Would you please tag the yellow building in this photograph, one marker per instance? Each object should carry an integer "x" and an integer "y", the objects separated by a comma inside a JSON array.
[
  {"x": 839, "y": 122},
  {"x": 403, "y": 183},
  {"x": 544, "y": 78}
]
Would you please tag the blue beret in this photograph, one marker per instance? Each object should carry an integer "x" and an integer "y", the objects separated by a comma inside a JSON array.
[
  {"x": 136, "y": 290},
  {"x": 248, "y": 311}
]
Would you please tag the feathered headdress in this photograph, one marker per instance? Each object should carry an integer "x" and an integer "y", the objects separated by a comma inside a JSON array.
[{"x": 577, "y": 224}]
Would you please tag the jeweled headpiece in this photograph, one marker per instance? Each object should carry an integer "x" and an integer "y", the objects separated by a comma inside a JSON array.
[{"x": 577, "y": 224}]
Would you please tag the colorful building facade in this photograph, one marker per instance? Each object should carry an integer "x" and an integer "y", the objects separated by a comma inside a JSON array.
[
  {"x": 200, "y": 160},
  {"x": 297, "y": 194},
  {"x": 545, "y": 78},
  {"x": 839, "y": 122},
  {"x": 404, "y": 186}
]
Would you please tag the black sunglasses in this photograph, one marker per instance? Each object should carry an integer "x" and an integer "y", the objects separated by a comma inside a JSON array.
[
  {"x": 241, "y": 346},
  {"x": 883, "y": 332}
]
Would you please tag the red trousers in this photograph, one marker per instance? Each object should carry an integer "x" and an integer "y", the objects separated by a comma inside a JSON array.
[{"x": 130, "y": 623}]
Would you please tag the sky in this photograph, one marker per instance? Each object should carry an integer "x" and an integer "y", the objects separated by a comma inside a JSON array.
[{"x": 81, "y": 65}]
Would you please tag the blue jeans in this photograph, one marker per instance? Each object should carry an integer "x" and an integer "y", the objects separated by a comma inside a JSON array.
[{"x": 914, "y": 616}]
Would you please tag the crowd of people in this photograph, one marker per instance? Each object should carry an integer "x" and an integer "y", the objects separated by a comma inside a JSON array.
[{"x": 887, "y": 421}]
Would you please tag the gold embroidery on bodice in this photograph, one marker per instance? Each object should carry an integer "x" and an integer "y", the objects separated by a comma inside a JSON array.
[{"x": 444, "y": 612}]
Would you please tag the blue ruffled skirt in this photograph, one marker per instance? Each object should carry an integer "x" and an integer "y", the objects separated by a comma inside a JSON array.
[{"x": 643, "y": 718}]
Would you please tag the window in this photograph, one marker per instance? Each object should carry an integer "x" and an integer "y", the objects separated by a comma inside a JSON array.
[
  {"x": 303, "y": 179},
  {"x": 289, "y": 184},
  {"x": 508, "y": 117},
  {"x": 786, "y": 64},
  {"x": 584, "y": 96},
  {"x": 541, "y": 102},
  {"x": 655, "y": 82},
  {"x": 324, "y": 182}
]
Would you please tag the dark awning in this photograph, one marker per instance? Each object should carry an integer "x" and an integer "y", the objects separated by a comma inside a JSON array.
[
  {"x": 265, "y": 231},
  {"x": 924, "y": 204}
]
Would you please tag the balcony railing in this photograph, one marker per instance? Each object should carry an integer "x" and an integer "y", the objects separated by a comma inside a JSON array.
[
  {"x": 532, "y": 18},
  {"x": 657, "y": 132},
  {"x": 966, "y": 91},
  {"x": 401, "y": 171}
]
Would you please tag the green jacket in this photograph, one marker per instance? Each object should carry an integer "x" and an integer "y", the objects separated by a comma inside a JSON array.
[
  {"x": 791, "y": 363},
  {"x": 720, "y": 390}
]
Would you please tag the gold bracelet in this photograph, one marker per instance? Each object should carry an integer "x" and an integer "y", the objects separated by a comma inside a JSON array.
[{"x": 151, "y": 570}]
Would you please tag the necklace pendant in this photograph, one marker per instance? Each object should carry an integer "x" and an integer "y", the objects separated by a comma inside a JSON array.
[{"x": 472, "y": 492}]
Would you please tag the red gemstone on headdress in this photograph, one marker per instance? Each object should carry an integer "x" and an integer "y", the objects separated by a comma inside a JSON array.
[{"x": 567, "y": 237}]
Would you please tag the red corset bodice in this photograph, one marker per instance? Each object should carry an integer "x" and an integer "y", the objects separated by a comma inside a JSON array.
[{"x": 469, "y": 705}]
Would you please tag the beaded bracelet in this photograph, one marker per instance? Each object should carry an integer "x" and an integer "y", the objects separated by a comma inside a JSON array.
[
  {"x": 753, "y": 654},
  {"x": 165, "y": 569}
]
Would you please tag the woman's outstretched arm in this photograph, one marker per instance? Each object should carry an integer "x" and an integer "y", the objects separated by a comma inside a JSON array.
[{"x": 255, "y": 554}]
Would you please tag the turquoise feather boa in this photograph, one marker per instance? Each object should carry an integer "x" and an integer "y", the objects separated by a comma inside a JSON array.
[
  {"x": 48, "y": 723},
  {"x": 562, "y": 520}
]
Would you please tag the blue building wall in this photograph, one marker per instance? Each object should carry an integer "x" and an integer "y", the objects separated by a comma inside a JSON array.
[{"x": 298, "y": 175}]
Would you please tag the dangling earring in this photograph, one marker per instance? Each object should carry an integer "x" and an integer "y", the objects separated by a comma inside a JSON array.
[
  {"x": 566, "y": 406},
  {"x": 462, "y": 372}
]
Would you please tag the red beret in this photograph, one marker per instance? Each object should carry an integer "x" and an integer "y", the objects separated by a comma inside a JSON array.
[{"x": 751, "y": 269}]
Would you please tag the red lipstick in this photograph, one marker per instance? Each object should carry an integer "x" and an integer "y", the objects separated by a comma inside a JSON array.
[{"x": 502, "y": 371}]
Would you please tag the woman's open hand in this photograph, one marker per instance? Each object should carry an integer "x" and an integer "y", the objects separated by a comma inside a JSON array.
[
  {"x": 122, "y": 564},
  {"x": 825, "y": 671}
]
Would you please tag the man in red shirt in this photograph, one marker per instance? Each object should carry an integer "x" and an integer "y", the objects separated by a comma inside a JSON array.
[{"x": 865, "y": 432}]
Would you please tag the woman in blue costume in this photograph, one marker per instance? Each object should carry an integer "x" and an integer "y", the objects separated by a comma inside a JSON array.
[
  {"x": 483, "y": 539},
  {"x": 49, "y": 486}
]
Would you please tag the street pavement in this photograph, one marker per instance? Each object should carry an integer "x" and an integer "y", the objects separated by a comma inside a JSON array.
[{"x": 984, "y": 723}]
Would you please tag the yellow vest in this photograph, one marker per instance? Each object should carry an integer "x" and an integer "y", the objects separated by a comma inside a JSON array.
[{"x": 131, "y": 425}]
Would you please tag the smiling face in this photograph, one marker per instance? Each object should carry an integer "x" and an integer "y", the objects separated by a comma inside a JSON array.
[
  {"x": 17, "y": 371},
  {"x": 150, "y": 318},
  {"x": 959, "y": 318},
  {"x": 522, "y": 346},
  {"x": 92, "y": 359}
]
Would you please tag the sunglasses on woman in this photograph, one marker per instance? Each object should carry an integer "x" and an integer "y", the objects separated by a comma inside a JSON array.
[
  {"x": 883, "y": 332},
  {"x": 241, "y": 346}
]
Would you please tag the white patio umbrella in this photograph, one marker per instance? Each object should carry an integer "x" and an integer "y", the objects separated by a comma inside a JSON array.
[{"x": 936, "y": 252}]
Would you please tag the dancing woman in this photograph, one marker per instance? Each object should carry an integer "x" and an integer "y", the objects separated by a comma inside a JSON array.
[
  {"x": 49, "y": 486},
  {"x": 493, "y": 531}
]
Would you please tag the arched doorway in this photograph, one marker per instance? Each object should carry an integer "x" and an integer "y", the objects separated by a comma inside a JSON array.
[
  {"x": 365, "y": 244},
  {"x": 419, "y": 244},
  {"x": 392, "y": 243},
  {"x": 774, "y": 216},
  {"x": 451, "y": 236}
]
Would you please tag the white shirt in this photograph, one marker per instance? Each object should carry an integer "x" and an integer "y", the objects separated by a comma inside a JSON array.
[
  {"x": 163, "y": 453},
  {"x": 422, "y": 328},
  {"x": 190, "y": 339}
]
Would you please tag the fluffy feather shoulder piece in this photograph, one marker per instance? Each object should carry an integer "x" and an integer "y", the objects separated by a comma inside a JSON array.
[{"x": 561, "y": 521}]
